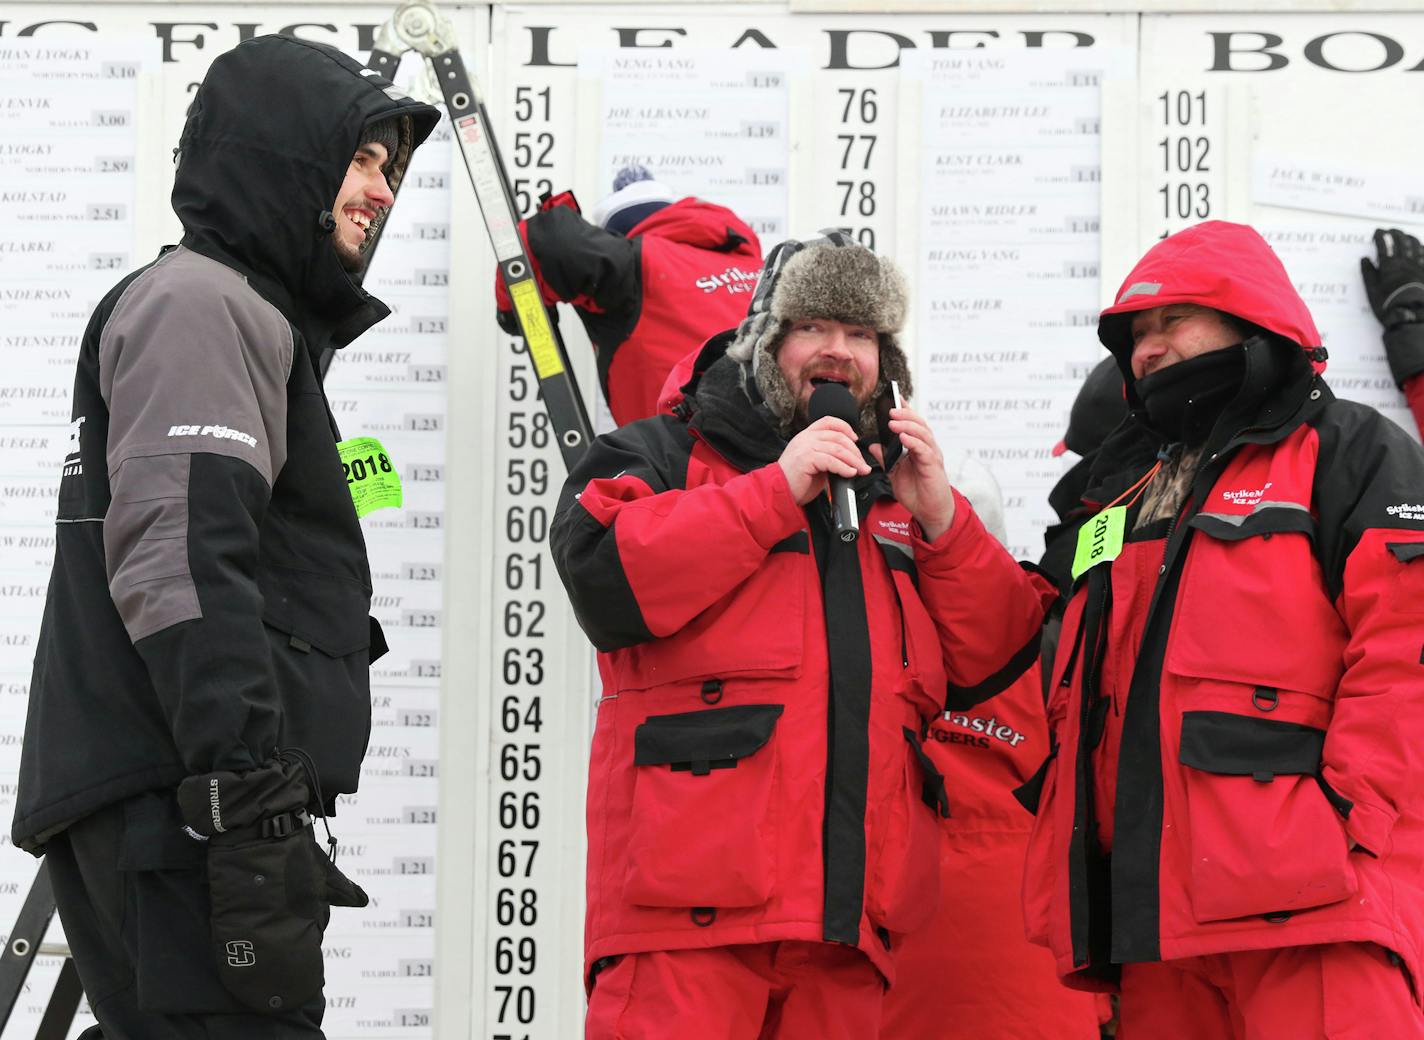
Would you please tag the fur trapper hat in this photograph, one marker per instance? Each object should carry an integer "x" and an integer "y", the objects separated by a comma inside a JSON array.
[{"x": 834, "y": 278}]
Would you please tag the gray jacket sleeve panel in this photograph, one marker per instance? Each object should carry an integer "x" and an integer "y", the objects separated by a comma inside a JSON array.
[
  {"x": 146, "y": 544},
  {"x": 192, "y": 359}
]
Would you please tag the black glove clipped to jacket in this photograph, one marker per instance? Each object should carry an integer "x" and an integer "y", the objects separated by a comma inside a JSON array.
[
  {"x": 270, "y": 885},
  {"x": 1395, "y": 286}
]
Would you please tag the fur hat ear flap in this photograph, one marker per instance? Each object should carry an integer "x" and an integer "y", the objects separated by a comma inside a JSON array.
[{"x": 894, "y": 365}]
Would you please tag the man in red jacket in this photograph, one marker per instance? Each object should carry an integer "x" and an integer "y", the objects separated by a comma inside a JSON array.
[
  {"x": 1394, "y": 283},
  {"x": 1231, "y": 821},
  {"x": 651, "y": 279},
  {"x": 761, "y": 813}
]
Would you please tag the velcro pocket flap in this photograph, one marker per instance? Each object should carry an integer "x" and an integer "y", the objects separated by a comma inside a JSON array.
[
  {"x": 1273, "y": 518},
  {"x": 328, "y": 612},
  {"x": 1405, "y": 552},
  {"x": 1240, "y": 745},
  {"x": 701, "y": 741}
]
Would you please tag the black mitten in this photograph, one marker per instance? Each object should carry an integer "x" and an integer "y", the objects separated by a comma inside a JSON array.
[
  {"x": 270, "y": 887},
  {"x": 269, "y": 911}
]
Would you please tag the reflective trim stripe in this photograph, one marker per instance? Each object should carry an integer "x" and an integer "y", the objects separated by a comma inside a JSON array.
[{"x": 1236, "y": 520}]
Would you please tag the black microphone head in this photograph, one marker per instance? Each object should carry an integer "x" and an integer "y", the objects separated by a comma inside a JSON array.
[{"x": 833, "y": 399}]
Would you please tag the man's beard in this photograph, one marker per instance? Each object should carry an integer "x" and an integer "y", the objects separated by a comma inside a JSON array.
[
  {"x": 352, "y": 261},
  {"x": 851, "y": 378}
]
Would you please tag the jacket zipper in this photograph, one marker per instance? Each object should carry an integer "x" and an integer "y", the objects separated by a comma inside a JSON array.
[{"x": 900, "y": 605}]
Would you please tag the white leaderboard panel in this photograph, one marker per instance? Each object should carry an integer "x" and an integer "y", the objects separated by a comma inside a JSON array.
[{"x": 1015, "y": 164}]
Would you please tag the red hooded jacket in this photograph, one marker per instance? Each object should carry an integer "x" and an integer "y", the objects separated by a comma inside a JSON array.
[
  {"x": 681, "y": 275},
  {"x": 1260, "y": 657}
]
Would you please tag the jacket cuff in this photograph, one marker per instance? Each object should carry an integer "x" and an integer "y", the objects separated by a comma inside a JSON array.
[
  {"x": 212, "y": 803},
  {"x": 965, "y": 532},
  {"x": 1404, "y": 347}
]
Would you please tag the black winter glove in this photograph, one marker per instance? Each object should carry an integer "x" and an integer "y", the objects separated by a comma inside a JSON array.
[
  {"x": 1395, "y": 286},
  {"x": 270, "y": 886}
]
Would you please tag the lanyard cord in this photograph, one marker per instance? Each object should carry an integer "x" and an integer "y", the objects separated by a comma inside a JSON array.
[{"x": 1138, "y": 488}]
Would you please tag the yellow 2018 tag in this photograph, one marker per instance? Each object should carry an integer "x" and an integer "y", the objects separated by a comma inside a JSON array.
[
  {"x": 370, "y": 474},
  {"x": 1100, "y": 539}
]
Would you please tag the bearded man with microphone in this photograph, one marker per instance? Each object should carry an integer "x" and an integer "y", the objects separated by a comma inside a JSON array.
[{"x": 761, "y": 815}]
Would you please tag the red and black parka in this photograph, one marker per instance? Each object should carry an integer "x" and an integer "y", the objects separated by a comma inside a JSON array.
[
  {"x": 757, "y": 771},
  {"x": 1261, "y": 652},
  {"x": 681, "y": 275}
]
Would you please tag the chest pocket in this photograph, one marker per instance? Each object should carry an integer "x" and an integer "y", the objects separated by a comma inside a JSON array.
[
  {"x": 1409, "y": 587},
  {"x": 1253, "y": 609},
  {"x": 755, "y": 631}
]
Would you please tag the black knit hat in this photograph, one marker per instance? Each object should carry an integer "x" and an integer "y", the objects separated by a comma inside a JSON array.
[
  {"x": 1097, "y": 410},
  {"x": 384, "y": 132}
]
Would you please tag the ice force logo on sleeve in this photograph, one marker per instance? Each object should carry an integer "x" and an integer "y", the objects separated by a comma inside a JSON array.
[
  {"x": 73, "y": 463},
  {"x": 222, "y": 433}
]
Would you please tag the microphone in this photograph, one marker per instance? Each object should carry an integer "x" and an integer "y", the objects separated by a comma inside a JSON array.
[{"x": 834, "y": 399}]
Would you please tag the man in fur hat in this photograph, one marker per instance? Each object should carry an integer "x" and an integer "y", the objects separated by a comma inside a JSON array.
[{"x": 762, "y": 817}]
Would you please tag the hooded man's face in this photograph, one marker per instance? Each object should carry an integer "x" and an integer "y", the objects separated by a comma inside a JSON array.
[
  {"x": 363, "y": 196},
  {"x": 1163, "y": 336},
  {"x": 817, "y": 350}
]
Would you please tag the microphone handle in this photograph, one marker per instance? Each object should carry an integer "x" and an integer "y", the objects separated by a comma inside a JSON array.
[{"x": 847, "y": 519}]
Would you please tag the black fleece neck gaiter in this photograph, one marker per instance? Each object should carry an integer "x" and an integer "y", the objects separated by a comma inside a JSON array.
[{"x": 1183, "y": 401}]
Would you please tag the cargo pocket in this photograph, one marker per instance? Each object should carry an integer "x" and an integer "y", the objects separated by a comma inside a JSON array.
[
  {"x": 323, "y": 640},
  {"x": 1263, "y": 836},
  {"x": 903, "y": 890},
  {"x": 702, "y": 831}
]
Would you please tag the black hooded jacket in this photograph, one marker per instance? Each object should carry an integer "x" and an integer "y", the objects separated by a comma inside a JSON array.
[{"x": 210, "y": 593}]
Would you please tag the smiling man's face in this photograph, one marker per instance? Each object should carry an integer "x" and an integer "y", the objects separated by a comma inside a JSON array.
[
  {"x": 363, "y": 196},
  {"x": 819, "y": 350}
]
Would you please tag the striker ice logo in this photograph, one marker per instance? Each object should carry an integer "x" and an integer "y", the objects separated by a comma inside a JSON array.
[
  {"x": 733, "y": 279},
  {"x": 900, "y": 528},
  {"x": 1246, "y": 497}
]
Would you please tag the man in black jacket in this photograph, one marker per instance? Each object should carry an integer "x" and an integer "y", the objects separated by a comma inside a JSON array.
[{"x": 200, "y": 687}]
